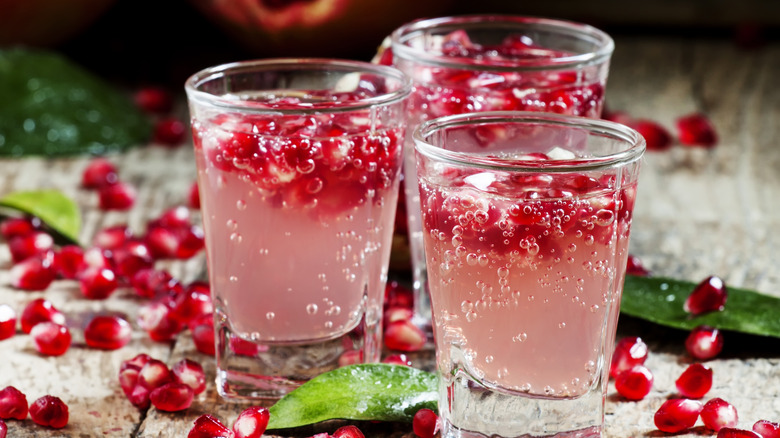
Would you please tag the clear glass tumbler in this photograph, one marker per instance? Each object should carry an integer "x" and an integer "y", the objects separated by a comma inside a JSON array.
[
  {"x": 526, "y": 221},
  {"x": 493, "y": 63},
  {"x": 298, "y": 169}
]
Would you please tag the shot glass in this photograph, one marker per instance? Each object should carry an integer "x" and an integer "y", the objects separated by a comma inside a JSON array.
[
  {"x": 298, "y": 169},
  {"x": 493, "y": 63},
  {"x": 526, "y": 221}
]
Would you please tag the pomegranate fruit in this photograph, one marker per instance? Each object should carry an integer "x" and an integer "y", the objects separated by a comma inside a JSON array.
[
  {"x": 404, "y": 336},
  {"x": 425, "y": 423},
  {"x": 634, "y": 383},
  {"x": 207, "y": 426},
  {"x": 696, "y": 130},
  {"x": 172, "y": 397},
  {"x": 718, "y": 413},
  {"x": 728, "y": 432},
  {"x": 107, "y": 332},
  {"x": 348, "y": 432},
  {"x": 695, "y": 381},
  {"x": 767, "y": 429},
  {"x": 708, "y": 296},
  {"x": 49, "y": 411},
  {"x": 251, "y": 423},
  {"x": 7, "y": 321},
  {"x": 51, "y": 339},
  {"x": 34, "y": 273},
  {"x": 190, "y": 373},
  {"x": 704, "y": 343},
  {"x": 629, "y": 352},
  {"x": 40, "y": 310},
  {"x": 677, "y": 415},
  {"x": 13, "y": 404}
]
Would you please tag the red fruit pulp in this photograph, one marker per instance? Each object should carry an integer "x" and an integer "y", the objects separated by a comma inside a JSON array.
[
  {"x": 634, "y": 383},
  {"x": 704, "y": 343},
  {"x": 677, "y": 415},
  {"x": 51, "y": 339},
  {"x": 40, "y": 310},
  {"x": 718, "y": 413},
  {"x": 251, "y": 423},
  {"x": 425, "y": 423},
  {"x": 13, "y": 404},
  {"x": 172, "y": 397},
  {"x": 708, "y": 296},
  {"x": 629, "y": 352},
  {"x": 7, "y": 321},
  {"x": 49, "y": 411},
  {"x": 156, "y": 319},
  {"x": 695, "y": 381},
  {"x": 107, "y": 332}
]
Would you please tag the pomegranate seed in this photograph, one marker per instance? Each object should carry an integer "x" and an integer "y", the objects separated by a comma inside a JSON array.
[
  {"x": 728, "y": 432},
  {"x": 128, "y": 380},
  {"x": 163, "y": 242},
  {"x": 40, "y": 310},
  {"x": 397, "y": 359},
  {"x": 96, "y": 258},
  {"x": 695, "y": 381},
  {"x": 350, "y": 357},
  {"x": 404, "y": 336},
  {"x": 173, "y": 218},
  {"x": 156, "y": 319},
  {"x": 393, "y": 314},
  {"x": 3, "y": 429},
  {"x": 193, "y": 197},
  {"x": 396, "y": 295},
  {"x": 203, "y": 334},
  {"x": 767, "y": 429},
  {"x": 708, "y": 296},
  {"x": 98, "y": 283},
  {"x": 656, "y": 136},
  {"x": 677, "y": 415},
  {"x": 635, "y": 267},
  {"x": 348, "y": 432},
  {"x": 190, "y": 373},
  {"x": 51, "y": 339},
  {"x": 190, "y": 305},
  {"x": 704, "y": 343},
  {"x": 131, "y": 258},
  {"x": 242, "y": 347},
  {"x": 172, "y": 397},
  {"x": 251, "y": 423},
  {"x": 154, "y": 99},
  {"x": 170, "y": 131},
  {"x": 119, "y": 196},
  {"x": 24, "y": 247},
  {"x": 154, "y": 374},
  {"x": 19, "y": 226},
  {"x": 718, "y": 413},
  {"x": 629, "y": 352},
  {"x": 34, "y": 273},
  {"x": 696, "y": 130},
  {"x": 99, "y": 173},
  {"x": 150, "y": 283},
  {"x": 108, "y": 332},
  {"x": 112, "y": 237},
  {"x": 68, "y": 261},
  {"x": 634, "y": 383},
  {"x": 7, "y": 321},
  {"x": 13, "y": 404},
  {"x": 207, "y": 426},
  {"x": 49, "y": 411},
  {"x": 425, "y": 423}
]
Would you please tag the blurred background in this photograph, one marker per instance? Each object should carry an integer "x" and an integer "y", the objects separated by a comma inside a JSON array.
[{"x": 140, "y": 42}]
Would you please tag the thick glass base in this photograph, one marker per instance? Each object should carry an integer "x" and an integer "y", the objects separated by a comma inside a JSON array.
[
  {"x": 256, "y": 370},
  {"x": 471, "y": 410}
]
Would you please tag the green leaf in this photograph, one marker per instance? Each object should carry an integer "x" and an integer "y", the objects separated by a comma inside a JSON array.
[
  {"x": 52, "y": 207},
  {"x": 379, "y": 392},
  {"x": 660, "y": 300},
  {"x": 53, "y": 107}
]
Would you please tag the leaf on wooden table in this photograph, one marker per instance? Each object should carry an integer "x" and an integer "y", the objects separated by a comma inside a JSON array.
[
  {"x": 52, "y": 207},
  {"x": 660, "y": 300},
  {"x": 378, "y": 392}
]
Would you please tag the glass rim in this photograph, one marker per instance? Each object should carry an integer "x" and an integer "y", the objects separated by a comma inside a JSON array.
[
  {"x": 401, "y": 35},
  {"x": 634, "y": 151},
  {"x": 194, "y": 93}
]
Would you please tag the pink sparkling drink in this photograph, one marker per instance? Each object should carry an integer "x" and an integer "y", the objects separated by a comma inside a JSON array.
[
  {"x": 493, "y": 63},
  {"x": 526, "y": 220},
  {"x": 298, "y": 169}
]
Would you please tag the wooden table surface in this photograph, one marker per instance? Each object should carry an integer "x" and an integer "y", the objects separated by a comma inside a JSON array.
[{"x": 699, "y": 212}]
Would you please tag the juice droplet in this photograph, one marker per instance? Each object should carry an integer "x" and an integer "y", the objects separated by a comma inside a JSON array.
[
  {"x": 235, "y": 238},
  {"x": 311, "y": 309},
  {"x": 488, "y": 359},
  {"x": 270, "y": 316},
  {"x": 589, "y": 239},
  {"x": 241, "y": 204},
  {"x": 231, "y": 224},
  {"x": 471, "y": 316},
  {"x": 548, "y": 390},
  {"x": 466, "y": 306},
  {"x": 233, "y": 279},
  {"x": 521, "y": 337},
  {"x": 562, "y": 325}
]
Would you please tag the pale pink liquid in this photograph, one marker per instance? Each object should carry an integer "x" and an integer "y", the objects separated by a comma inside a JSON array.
[{"x": 524, "y": 288}]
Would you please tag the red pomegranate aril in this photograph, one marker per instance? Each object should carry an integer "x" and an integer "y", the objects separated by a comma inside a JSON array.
[
  {"x": 3, "y": 429},
  {"x": 96, "y": 258},
  {"x": 172, "y": 218},
  {"x": 131, "y": 258},
  {"x": 34, "y": 273},
  {"x": 156, "y": 319},
  {"x": 397, "y": 295},
  {"x": 170, "y": 132},
  {"x": 348, "y": 432},
  {"x": 98, "y": 283},
  {"x": 99, "y": 173},
  {"x": 68, "y": 261},
  {"x": 767, "y": 429},
  {"x": 35, "y": 243},
  {"x": 51, "y": 339},
  {"x": 13, "y": 404},
  {"x": 7, "y": 321},
  {"x": 154, "y": 374},
  {"x": 677, "y": 415},
  {"x": 207, "y": 426},
  {"x": 629, "y": 352},
  {"x": 397, "y": 359},
  {"x": 19, "y": 226},
  {"x": 190, "y": 305},
  {"x": 163, "y": 242},
  {"x": 635, "y": 383},
  {"x": 350, "y": 357},
  {"x": 191, "y": 242},
  {"x": 718, "y": 413},
  {"x": 656, "y": 136},
  {"x": 128, "y": 380},
  {"x": 425, "y": 423},
  {"x": 251, "y": 423},
  {"x": 150, "y": 283},
  {"x": 404, "y": 336},
  {"x": 202, "y": 330},
  {"x": 393, "y": 314},
  {"x": 708, "y": 296},
  {"x": 704, "y": 343},
  {"x": 107, "y": 332},
  {"x": 695, "y": 381},
  {"x": 172, "y": 397},
  {"x": 154, "y": 99},
  {"x": 193, "y": 197},
  {"x": 112, "y": 237},
  {"x": 696, "y": 130},
  {"x": 119, "y": 196},
  {"x": 728, "y": 432},
  {"x": 37, "y": 311},
  {"x": 634, "y": 266},
  {"x": 49, "y": 411},
  {"x": 190, "y": 373}
]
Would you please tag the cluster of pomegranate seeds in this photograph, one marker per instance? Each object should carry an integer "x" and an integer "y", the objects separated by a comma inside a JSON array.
[
  {"x": 49, "y": 411},
  {"x": 146, "y": 380},
  {"x": 708, "y": 296},
  {"x": 179, "y": 308},
  {"x": 51, "y": 339},
  {"x": 37, "y": 311},
  {"x": 173, "y": 235},
  {"x": 692, "y": 130},
  {"x": 7, "y": 321},
  {"x": 425, "y": 423},
  {"x": 399, "y": 332},
  {"x": 107, "y": 332},
  {"x": 677, "y": 415},
  {"x": 158, "y": 102},
  {"x": 13, "y": 404}
]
